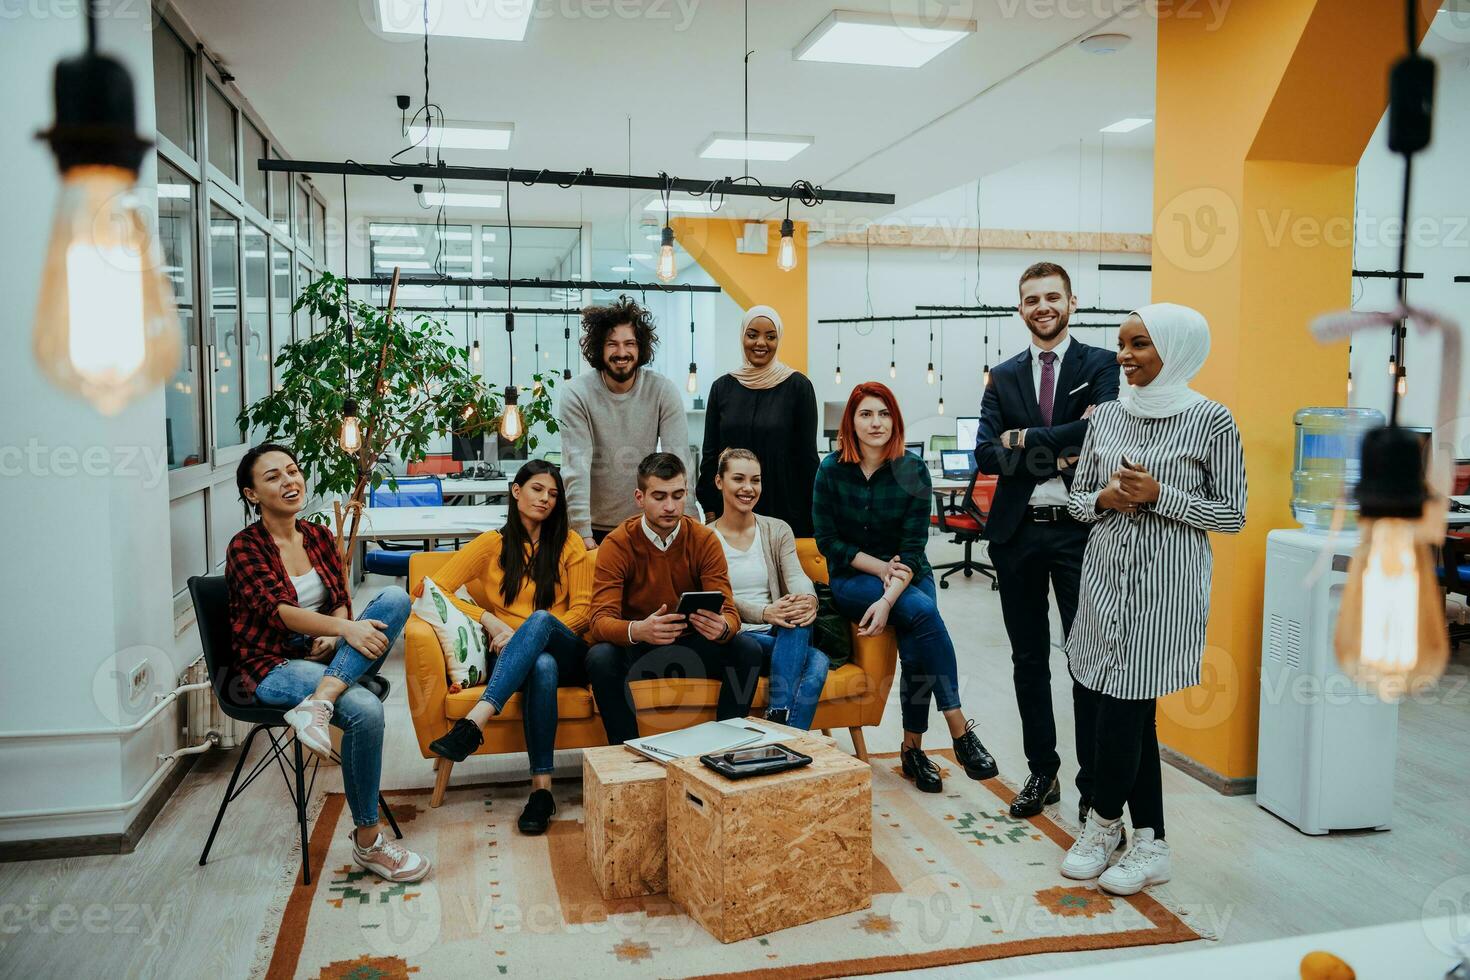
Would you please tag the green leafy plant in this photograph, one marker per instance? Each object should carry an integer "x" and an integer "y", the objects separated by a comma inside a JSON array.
[{"x": 411, "y": 385}]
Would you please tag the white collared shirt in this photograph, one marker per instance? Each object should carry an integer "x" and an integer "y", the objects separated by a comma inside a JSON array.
[
  {"x": 1052, "y": 493},
  {"x": 659, "y": 542}
]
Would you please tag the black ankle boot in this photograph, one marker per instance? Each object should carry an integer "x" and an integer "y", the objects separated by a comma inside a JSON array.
[
  {"x": 537, "y": 813},
  {"x": 781, "y": 716},
  {"x": 461, "y": 740},
  {"x": 922, "y": 770}
]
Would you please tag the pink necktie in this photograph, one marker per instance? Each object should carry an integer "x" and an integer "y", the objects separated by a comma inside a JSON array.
[{"x": 1048, "y": 384}]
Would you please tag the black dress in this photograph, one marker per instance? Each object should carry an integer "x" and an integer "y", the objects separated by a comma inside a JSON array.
[{"x": 779, "y": 425}]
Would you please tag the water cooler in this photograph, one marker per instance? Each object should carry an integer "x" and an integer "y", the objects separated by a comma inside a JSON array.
[{"x": 1327, "y": 748}]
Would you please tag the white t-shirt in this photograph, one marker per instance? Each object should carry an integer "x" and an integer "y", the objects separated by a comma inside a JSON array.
[
  {"x": 310, "y": 590},
  {"x": 749, "y": 581}
]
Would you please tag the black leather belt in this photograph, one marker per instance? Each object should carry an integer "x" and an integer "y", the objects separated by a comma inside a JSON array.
[{"x": 1047, "y": 515}]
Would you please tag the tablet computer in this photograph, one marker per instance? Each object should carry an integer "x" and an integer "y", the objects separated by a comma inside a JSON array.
[
  {"x": 757, "y": 761},
  {"x": 690, "y": 601}
]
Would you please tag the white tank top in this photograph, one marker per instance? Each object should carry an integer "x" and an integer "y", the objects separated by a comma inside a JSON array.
[
  {"x": 310, "y": 590},
  {"x": 749, "y": 580}
]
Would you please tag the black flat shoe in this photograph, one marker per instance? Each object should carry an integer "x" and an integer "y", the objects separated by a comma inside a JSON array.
[
  {"x": 978, "y": 763},
  {"x": 925, "y": 773},
  {"x": 459, "y": 742},
  {"x": 1038, "y": 793},
  {"x": 537, "y": 813}
]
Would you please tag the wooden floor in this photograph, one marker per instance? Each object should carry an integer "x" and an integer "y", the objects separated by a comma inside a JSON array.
[{"x": 1238, "y": 871}]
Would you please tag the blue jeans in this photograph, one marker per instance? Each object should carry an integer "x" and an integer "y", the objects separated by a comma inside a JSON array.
[
  {"x": 534, "y": 661},
  {"x": 796, "y": 668},
  {"x": 925, "y": 651},
  {"x": 358, "y": 712}
]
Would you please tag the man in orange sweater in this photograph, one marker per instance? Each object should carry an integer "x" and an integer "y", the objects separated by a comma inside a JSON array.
[{"x": 643, "y": 566}]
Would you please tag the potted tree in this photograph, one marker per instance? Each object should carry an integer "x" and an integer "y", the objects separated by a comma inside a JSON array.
[{"x": 369, "y": 385}]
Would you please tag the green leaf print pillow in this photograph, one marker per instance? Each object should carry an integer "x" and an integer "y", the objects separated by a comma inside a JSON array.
[{"x": 461, "y": 639}]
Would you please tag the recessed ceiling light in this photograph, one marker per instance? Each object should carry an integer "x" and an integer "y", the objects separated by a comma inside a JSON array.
[
  {"x": 622, "y": 268},
  {"x": 640, "y": 256},
  {"x": 403, "y": 265},
  {"x": 500, "y": 20},
  {"x": 393, "y": 231},
  {"x": 682, "y": 205},
  {"x": 1126, "y": 125},
  {"x": 760, "y": 146},
  {"x": 1104, "y": 43},
  {"x": 889, "y": 40},
  {"x": 467, "y": 135},
  {"x": 455, "y": 236},
  {"x": 399, "y": 250},
  {"x": 458, "y": 199}
]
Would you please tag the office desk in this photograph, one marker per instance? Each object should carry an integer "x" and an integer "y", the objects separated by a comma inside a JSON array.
[{"x": 471, "y": 488}]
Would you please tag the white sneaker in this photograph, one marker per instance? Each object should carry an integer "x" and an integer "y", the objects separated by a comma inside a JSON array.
[
  {"x": 1088, "y": 856},
  {"x": 389, "y": 860},
  {"x": 1145, "y": 863},
  {"x": 309, "y": 720}
]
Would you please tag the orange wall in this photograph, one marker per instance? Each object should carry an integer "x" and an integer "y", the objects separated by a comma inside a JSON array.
[
  {"x": 1260, "y": 125},
  {"x": 752, "y": 280}
]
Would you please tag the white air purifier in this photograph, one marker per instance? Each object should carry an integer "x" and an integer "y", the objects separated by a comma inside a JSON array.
[{"x": 1327, "y": 747}]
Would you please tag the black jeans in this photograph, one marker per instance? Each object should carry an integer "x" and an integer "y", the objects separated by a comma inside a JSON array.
[
  {"x": 1125, "y": 768},
  {"x": 736, "y": 665},
  {"x": 1036, "y": 557}
]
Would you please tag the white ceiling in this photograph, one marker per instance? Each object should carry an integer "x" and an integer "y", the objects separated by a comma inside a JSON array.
[{"x": 324, "y": 79}]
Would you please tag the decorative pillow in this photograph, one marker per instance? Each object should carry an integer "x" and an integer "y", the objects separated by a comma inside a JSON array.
[{"x": 461, "y": 639}]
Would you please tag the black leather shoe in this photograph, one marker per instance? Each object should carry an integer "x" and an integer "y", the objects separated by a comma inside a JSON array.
[
  {"x": 978, "y": 763},
  {"x": 537, "y": 813},
  {"x": 457, "y": 743},
  {"x": 1038, "y": 793},
  {"x": 925, "y": 774}
]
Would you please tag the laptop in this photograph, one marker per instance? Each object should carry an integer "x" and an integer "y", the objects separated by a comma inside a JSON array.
[{"x": 957, "y": 464}]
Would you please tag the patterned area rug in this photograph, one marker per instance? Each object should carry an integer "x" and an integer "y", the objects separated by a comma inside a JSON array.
[{"x": 956, "y": 880}]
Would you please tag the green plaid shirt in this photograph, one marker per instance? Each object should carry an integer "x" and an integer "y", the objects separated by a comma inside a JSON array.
[{"x": 884, "y": 516}]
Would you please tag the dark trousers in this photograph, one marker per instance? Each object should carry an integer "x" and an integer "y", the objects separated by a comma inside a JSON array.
[
  {"x": 1036, "y": 557},
  {"x": 597, "y": 535},
  {"x": 610, "y": 667},
  {"x": 1125, "y": 766}
]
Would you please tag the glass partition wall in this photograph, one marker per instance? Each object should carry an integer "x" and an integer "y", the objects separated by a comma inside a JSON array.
[{"x": 238, "y": 245}]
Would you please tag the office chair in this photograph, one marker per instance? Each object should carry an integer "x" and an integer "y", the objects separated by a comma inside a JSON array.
[
  {"x": 964, "y": 517},
  {"x": 211, "y": 610},
  {"x": 391, "y": 558}
]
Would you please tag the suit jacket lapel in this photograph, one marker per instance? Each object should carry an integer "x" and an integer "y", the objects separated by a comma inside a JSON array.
[
  {"x": 1070, "y": 378},
  {"x": 1027, "y": 389}
]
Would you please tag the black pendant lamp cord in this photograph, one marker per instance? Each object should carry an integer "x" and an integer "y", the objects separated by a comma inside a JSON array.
[
  {"x": 746, "y": 63},
  {"x": 1396, "y": 347},
  {"x": 91, "y": 26}
]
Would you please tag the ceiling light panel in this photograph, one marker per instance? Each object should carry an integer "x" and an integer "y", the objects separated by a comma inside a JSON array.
[
  {"x": 458, "y": 199},
  {"x": 1126, "y": 125},
  {"x": 885, "y": 39},
  {"x": 760, "y": 146},
  {"x": 485, "y": 20},
  {"x": 682, "y": 205},
  {"x": 466, "y": 135}
]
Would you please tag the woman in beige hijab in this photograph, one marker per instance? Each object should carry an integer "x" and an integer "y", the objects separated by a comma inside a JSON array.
[{"x": 769, "y": 408}]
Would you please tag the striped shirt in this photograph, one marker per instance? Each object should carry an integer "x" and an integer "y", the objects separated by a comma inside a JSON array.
[{"x": 1145, "y": 597}]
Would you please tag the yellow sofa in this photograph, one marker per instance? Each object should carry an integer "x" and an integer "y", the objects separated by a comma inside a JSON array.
[{"x": 853, "y": 697}]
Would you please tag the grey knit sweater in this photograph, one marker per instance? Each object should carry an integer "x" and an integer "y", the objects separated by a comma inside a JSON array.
[{"x": 605, "y": 436}]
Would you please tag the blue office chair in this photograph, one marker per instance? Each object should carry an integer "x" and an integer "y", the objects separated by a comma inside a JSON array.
[{"x": 391, "y": 558}]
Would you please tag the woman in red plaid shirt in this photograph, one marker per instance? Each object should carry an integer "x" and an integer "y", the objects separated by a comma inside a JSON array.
[{"x": 297, "y": 645}]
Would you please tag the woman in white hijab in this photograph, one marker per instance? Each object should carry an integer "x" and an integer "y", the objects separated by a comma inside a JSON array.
[
  {"x": 1158, "y": 469},
  {"x": 769, "y": 408}
]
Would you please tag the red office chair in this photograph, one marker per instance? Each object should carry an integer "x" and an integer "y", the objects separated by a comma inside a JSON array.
[
  {"x": 435, "y": 464},
  {"x": 964, "y": 517}
]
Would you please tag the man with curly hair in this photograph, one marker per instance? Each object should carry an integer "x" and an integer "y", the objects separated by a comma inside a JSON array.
[{"x": 614, "y": 416}]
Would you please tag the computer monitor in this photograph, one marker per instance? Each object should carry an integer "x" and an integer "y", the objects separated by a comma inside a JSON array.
[
  {"x": 832, "y": 418},
  {"x": 957, "y": 464},
  {"x": 915, "y": 448},
  {"x": 467, "y": 449},
  {"x": 938, "y": 444},
  {"x": 967, "y": 431}
]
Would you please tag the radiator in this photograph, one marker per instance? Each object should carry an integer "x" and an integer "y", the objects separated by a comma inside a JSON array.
[{"x": 202, "y": 713}]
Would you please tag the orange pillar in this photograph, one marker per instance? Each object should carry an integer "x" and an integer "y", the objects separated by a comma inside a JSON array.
[
  {"x": 1261, "y": 120},
  {"x": 752, "y": 280}
]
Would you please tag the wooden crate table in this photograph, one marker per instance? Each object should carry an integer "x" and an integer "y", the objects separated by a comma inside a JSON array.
[
  {"x": 624, "y": 803},
  {"x": 751, "y": 856}
]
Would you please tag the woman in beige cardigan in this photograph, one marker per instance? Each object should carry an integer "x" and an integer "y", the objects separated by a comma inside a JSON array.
[{"x": 777, "y": 602}]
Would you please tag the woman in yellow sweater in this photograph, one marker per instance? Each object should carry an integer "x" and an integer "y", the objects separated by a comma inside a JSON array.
[{"x": 531, "y": 582}]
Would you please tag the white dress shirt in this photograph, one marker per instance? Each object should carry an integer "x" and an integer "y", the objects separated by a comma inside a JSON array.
[
  {"x": 1052, "y": 493},
  {"x": 658, "y": 542}
]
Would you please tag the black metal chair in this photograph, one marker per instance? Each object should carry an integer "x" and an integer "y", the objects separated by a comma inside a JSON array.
[{"x": 211, "y": 610}]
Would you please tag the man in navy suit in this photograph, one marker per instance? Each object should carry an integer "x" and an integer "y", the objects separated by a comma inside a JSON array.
[{"x": 1032, "y": 422}]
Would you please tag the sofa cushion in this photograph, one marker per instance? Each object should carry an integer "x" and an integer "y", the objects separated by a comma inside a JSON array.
[
  {"x": 571, "y": 702},
  {"x": 847, "y": 681},
  {"x": 461, "y": 639}
]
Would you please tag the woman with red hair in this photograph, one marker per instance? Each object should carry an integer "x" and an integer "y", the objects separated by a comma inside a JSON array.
[{"x": 870, "y": 509}]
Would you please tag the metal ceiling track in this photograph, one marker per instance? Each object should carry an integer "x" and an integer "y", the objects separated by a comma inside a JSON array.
[
  {"x": 1012, "y": 309},
  {"x": 607, "y": 287},
  {"x": 517, "y": 310},
  {"x": 919, "y": 317},
  {"x": 724, "y": 186}
]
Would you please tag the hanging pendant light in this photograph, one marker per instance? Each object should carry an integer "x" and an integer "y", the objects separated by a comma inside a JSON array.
[
  {"x": 837, "y": 360},
  {"x": 566, "y": 350},
  {"x": 667, "y": 268},
  {"x": 106, "y": 328},
  {"x": 1402, "y": 384},
  {"x": 929, "y": 374},
  {"x": 941, "y": 358},
  {"x": 475, "y": 353},
  {"x": 350, "y": 435},
  {"x": 786, "y": 254},
  {"x": 892, "y": 351},
  {"x": 693, "y": 383},
  {"x": 511, "y": 423}
]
